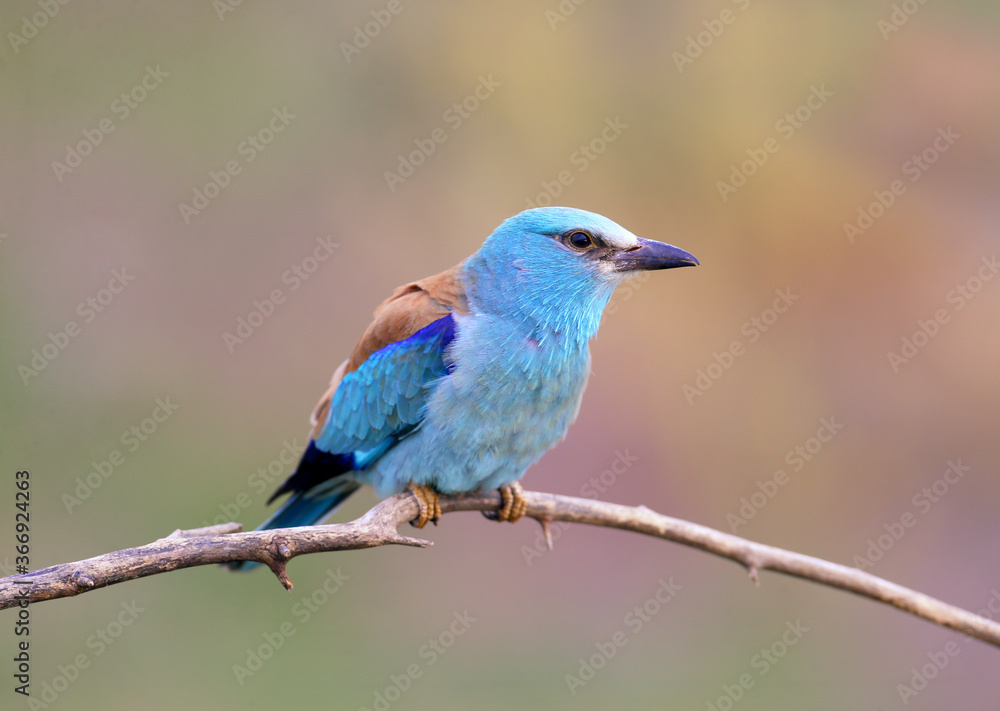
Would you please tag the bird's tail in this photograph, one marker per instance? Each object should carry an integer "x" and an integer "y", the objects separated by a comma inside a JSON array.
[
  {"x": 303, "y": 509},
  {"x": 318, "y": 485}
]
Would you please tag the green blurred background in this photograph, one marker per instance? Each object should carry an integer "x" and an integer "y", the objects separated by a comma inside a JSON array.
[{"x": 693, "y": 90}]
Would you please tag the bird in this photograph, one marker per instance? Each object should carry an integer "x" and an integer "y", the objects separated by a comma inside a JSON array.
[{"x": 465, "y": 378}]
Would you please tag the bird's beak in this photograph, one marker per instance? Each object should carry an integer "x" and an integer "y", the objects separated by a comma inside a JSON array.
[{"x": 650, "y": 255}]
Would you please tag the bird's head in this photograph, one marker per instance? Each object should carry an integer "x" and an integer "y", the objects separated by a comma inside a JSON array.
[{"x": 558, "y": 266}]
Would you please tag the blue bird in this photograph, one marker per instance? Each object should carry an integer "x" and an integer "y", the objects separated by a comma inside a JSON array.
[{"x": 466, "y": 378}]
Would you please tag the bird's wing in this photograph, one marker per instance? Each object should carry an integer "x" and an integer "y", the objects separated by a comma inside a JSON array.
[{"x": 379, "y": 392}]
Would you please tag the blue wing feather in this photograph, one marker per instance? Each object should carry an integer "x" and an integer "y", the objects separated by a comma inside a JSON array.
[{"x": 386, "y": 395}]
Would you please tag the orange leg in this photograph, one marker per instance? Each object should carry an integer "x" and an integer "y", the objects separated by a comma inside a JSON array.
[
  {"x": 427, "y": 500},
  {"x": 513, "y": 505}
]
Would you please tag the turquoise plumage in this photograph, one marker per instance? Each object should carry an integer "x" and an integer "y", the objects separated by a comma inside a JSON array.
[{"x": 466, "y": 378}]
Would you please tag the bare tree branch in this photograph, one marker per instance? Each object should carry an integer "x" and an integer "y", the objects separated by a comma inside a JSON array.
[{"x": 221, "y": 544}]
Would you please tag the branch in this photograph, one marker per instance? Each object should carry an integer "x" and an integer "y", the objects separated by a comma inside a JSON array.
[{"x": 274, "y": 548}]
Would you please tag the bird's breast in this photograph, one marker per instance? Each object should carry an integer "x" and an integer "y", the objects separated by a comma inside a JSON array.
[
  {"x": 510, "y": 394},
  {"x": 516, "y": 389}
]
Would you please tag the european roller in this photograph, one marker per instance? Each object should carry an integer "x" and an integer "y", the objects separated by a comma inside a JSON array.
[{"x": 465, "y": 378}]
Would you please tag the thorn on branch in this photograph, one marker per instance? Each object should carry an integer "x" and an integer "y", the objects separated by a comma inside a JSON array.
[
  {"x": 407, "y": 541},
  {"x": 277, "y": 562},
  {"x": 545, "y": 522},
  {"x": 752, "y": 562},
  {"x": 278, "y": 568}
]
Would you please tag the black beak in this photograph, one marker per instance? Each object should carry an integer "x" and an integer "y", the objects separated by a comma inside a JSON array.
[{"x": 650, "y": 255}]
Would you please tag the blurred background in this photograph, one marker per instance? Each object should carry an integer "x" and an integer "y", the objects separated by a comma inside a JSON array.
[{"x": 201, "y": 203}]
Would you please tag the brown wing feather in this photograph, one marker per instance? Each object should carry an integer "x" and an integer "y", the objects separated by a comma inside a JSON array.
[{"x": 410, "y": 308}]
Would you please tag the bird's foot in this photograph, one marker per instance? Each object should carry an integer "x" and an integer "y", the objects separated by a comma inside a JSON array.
[
  {"x": 427, "y": 500},
  {"x": 513, "y": 505}
]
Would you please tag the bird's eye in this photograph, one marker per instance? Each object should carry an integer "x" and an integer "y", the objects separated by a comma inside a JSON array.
[{"x": 581, "y": 241}]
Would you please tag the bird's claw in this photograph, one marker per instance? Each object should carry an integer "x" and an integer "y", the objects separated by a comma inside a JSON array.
[
  {"x": 427, "y": 501},
  {"x": 513, "y": 505}
]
